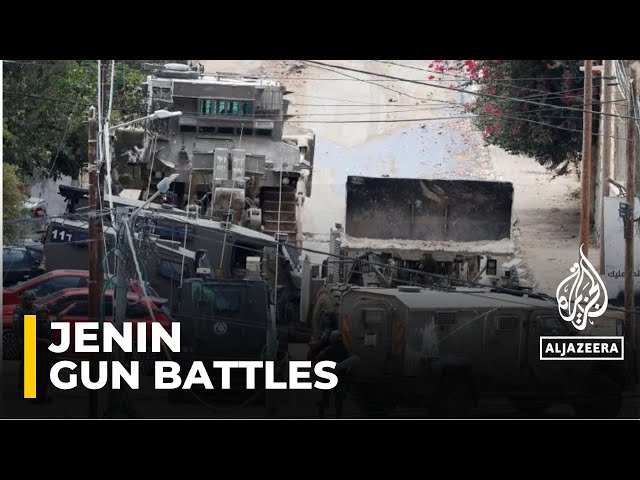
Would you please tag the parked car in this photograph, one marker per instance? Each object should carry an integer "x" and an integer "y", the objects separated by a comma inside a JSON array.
[
  {"x": 20, "y": 263},
  {"x": 137, "y": 311},
  {"x": 57, "y": 280}
]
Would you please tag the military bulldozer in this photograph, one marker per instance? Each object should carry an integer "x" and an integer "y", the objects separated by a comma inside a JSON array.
[{"x": 422, "y": 232}]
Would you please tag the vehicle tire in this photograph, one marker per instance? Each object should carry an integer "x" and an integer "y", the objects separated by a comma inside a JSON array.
[
  {"x": 454, "y": 397},
  {"x": 326, "y": 299},
  {"x": 530, "y": 408},
  {"x": 10, "y": 349},
  {"x": 602, "y": 399}
]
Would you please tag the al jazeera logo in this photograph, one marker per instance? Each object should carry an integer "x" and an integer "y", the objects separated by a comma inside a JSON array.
[{"x": 582, "y": 297}]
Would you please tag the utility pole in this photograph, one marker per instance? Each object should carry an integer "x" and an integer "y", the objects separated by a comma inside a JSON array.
[
  {"x": 95, "y": 254},
  {"x": 629, "y": 303},
  {"x": 607, "y": 120},
  {"x": 118, "y": 401},
  {"x": 585, "y": 219}
]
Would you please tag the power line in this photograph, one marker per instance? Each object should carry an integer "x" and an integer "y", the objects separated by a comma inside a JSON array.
[
  {"x": 495, "y": 82},
  {"x": 510, "y": 79},
  {"x": 470, "y": 92}
]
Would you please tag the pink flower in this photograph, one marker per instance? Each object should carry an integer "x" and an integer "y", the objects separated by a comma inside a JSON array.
[{"x": 431, "y": 77}]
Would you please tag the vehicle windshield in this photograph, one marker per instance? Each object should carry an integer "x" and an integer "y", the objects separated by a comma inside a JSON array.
[{"x": 242, "y": 302}]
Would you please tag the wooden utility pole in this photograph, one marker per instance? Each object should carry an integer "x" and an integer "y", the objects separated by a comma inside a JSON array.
[
  {"x": 629, "y": 303},
  {"x": 607, "y": 120},
  {"x": 95, "y": 252},
  {"x": 585, "y": 219}
]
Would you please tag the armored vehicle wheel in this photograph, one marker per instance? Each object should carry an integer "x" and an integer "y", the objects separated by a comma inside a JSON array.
[
  {"x": 454, "y": 398},
  {"x": 530, "y": 408},
  {"x": 602, "y": 399},
  {"x": 326, "y": 299}
]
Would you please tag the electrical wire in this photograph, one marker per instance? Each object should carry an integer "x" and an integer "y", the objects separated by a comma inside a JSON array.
[
  {"x": 494, "y": 81},
  {"x": 470, "y": 92}
]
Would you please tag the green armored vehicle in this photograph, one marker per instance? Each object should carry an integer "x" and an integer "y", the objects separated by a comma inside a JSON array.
[{"x": 444, "y": 349}]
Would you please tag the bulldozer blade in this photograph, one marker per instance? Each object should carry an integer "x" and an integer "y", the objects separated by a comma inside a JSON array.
[{"x": 428, "y": 210}]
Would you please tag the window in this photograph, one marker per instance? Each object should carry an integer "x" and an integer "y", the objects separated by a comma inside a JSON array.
[
  {"x": 226, "y": 130},
  {"x": 56, "y": 284},
  {"x": 187, "y": 128},
  {"x": 506, "y": 323},
  {"x": 235, "y": 108},
  {"x": 245, "y": 131},
  {"x": 221, "y": 107},
  {"x": 206, "y": 107},
  {"x": 445, "y": 318},
  {"x": 492, "y": 266},
  {"x": 210, "y": 300},
  {"x": 264, "y": 132},
  {"x": 247, "y": 109},
  {"x": 170, "y": 269}
]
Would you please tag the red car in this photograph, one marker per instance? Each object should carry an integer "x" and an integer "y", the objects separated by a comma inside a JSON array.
[
  {"x": 54, "y": 281},
  {"x": 137, "y": 311}
]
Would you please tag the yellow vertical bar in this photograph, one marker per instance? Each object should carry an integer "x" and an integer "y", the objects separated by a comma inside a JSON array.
[{"x": 29, "y": 356}]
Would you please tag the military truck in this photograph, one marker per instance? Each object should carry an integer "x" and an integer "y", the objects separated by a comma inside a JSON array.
[
  {"x": 228, "y": 319},
  {"x": 444, "y": 349}
]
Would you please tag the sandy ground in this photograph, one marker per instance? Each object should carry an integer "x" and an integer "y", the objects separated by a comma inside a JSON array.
[{"x": 548, "y": 218}]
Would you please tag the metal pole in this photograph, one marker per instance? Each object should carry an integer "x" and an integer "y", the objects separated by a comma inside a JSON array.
[
  {"x": 153, "y": 159},
  {"x": 95, "y": 254},
  {"x": 606, "y": 152},
  {"x": 586, "y": 159},
  {"x": 630, "y": 224},
  {"x": 121, "y": 275}
]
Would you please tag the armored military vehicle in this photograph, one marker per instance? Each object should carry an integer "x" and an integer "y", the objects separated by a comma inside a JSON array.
[{"x": 445, "y": 349}]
